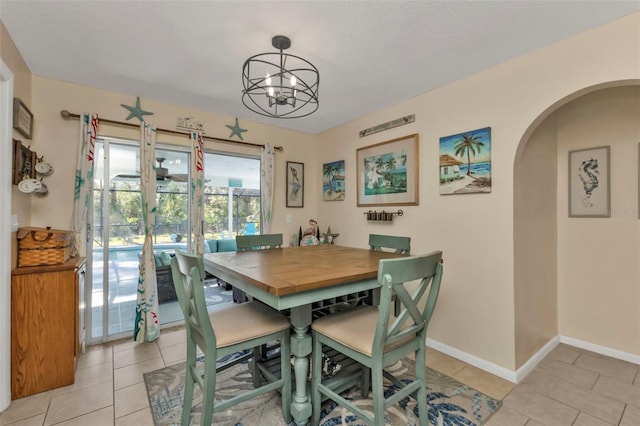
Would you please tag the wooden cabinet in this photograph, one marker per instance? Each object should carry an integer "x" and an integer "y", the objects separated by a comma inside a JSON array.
[{"x": 47, "y": 326}]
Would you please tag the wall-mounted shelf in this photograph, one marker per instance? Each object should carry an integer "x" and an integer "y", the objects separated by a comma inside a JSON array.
[{"x": 383, "y": 216}]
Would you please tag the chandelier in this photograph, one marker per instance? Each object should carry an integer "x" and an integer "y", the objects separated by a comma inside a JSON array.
[{"x": 280, "y": 85}]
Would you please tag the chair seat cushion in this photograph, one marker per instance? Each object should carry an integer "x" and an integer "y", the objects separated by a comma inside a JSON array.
[
  {"x": 355, "y": 328},
  {"x": 246, "y": 321}
]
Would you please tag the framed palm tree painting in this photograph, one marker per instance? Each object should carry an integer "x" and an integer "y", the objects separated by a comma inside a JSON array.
[
  {"x": 465, "y": 162},
  {"x": 333, "y": 181},
  {"x": 388, "y": 173}
]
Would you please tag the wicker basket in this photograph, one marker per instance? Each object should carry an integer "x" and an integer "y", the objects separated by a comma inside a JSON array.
[{"x": 40, "y": 246}]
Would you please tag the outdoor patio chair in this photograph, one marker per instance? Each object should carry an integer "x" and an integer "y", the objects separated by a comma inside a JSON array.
[{"x": 258, "y": 242}]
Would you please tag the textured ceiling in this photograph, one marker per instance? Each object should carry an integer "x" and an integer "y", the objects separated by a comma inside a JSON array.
[{"x": 371, "y": 54}]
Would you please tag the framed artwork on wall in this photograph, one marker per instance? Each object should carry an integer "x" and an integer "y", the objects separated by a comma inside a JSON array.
[
  {"x": 333, "y": 181},
  {"x": 589, "y": 186},
  {"x": 295, "y": 184},
  {"x": 24, "y": 161},
  {"x": 387, "y": 173},
  {"x": 465, "y": 162},
  {"x": 22, "y": 118}
]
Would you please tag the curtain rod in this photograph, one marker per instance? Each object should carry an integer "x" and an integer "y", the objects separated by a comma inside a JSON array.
[{"x": 67, "y": 115}]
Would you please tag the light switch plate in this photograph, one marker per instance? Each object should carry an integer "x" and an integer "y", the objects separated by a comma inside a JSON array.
[{"x": 14, "y": 223}]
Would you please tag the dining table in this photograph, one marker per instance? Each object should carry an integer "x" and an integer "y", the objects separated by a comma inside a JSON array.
[{"x": 299, "y": 279}]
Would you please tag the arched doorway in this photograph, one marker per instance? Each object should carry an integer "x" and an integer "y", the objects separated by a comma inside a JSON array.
[{"x": 576, "y": 279}]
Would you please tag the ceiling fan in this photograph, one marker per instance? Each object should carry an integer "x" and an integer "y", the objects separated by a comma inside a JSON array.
[{"x": 162, "y": 174}]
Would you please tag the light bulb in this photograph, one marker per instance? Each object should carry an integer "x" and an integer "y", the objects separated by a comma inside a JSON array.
[
  {"x": 293, "y": 81},
  {"x": 268, "y": 80},
  {"x": 270, "y": 91}
]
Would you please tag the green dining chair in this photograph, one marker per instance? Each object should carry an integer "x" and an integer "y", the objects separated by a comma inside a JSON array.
[
  {"x": 392, "y": 243},
  {"x": 238, "y": 328},
  {"x": 395, "y": 243},
  {"x": 258, "y": 242},
  {"x": 255, "y": 242},
  {"x": 376, "y": 338}
]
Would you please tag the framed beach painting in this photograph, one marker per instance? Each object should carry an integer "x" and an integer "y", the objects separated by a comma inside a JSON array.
[
  {"x": 387, "y": 173},
  {"x": 589, "y": 182},
  {"x": 465, "y": 162},
  {"x": 333, "y": 181},
  {"x": 295, "y": 184}
]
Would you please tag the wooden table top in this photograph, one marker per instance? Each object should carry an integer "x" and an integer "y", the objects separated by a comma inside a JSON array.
[{"x": 291, "y": 270}]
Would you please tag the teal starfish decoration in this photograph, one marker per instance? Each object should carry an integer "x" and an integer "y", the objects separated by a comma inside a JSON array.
[
  {"x": 136, "y": 111},
  {"x": 329, "y": 237},
  {"x": 236, "y": 130}
]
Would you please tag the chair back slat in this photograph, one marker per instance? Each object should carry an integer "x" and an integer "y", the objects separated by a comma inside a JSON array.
[
  {"x": 258, "y": 242},
  {"x": 186, "y": 261},
  {"x": 405, "y": 282},
  {"x": 187, "y": 278},
  {"x": 392, "y": 242},
  {"x": 202, "y": 329}
]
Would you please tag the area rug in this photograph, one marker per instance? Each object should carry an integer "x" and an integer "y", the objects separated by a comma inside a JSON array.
[
  {"x": 450, "y": 402},
  {"x": 215, "y": 294}
]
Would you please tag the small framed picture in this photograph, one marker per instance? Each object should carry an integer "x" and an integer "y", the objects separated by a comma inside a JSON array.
[
  {"x": 24, "y": 161},
  {"x": 589, "y": 182},
  {"x": 22, "y": 118},
  {"x": 295, "y": 184},
  {"x": 333, "y": 181}
]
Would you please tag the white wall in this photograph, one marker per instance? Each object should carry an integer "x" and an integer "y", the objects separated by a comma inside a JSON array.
[
  {"x": 6, "y": 149},
  {"x": 14, "y": 81}
]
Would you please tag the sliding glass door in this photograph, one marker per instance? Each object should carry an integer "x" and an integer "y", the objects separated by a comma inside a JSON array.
[
  {"x": 118, "y": 232},
  {"x": 232, "y": 196},
  {"x": 231, "y": 207}
]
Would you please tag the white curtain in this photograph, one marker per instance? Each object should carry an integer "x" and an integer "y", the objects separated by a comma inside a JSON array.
[
  {"x": 266, "y": 187},
  {"x": 84, "y": 181},
  {"x": 147, "y": 326},
  {"x": 197, "y": 191}
]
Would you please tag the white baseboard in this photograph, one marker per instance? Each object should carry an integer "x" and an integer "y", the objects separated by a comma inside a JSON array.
[
  {"x": 602, "y": 350},
  {"x": 531, "y": 363},
  {"x": 480, "y": 363},
  {"x": 527, "y": 367}
]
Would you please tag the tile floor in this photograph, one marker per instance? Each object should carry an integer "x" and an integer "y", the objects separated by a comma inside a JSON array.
[{"x": 569, "y": 387}]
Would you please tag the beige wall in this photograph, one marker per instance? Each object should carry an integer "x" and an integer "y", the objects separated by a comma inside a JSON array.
[
  {"x": 475, "y": 315},
  {"x": 598, "y": 258},
  {"x": 564, "y": 266},
  {"x": 21, "y": 203},
  {"x": 59, "y": 139},
  {"x": 475, "y": 318},
  {"x": 535, "y": 241}
]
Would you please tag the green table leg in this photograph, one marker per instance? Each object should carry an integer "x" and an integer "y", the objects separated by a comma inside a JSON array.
[{"x": 301, "y": 349}]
